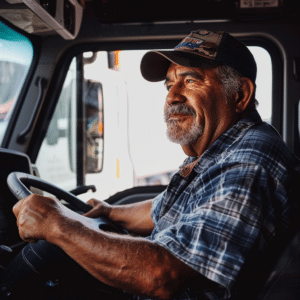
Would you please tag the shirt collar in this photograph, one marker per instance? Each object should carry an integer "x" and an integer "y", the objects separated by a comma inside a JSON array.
[{"x": 226, "y": 140}]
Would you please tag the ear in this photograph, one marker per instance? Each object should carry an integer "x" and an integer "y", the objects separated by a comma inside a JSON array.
[{"x": 243, "y": 97}]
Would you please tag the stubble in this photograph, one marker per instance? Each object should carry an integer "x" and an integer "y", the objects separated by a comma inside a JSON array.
[{"x": 176, "y": 133}]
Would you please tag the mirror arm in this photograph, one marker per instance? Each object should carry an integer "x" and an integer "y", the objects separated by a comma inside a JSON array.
[{"x": 83, "y": 189}]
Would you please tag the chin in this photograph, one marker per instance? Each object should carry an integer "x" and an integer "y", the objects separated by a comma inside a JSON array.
[{"x": 178, "y": 135}]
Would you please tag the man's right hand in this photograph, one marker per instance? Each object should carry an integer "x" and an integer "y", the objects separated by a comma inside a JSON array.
[
  {"x": 134, "y": 217},
  {"x": 100, "y": 208}
]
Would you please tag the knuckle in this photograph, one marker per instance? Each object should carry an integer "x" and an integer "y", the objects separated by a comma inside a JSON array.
[
  {"x": 90, "y": 201},
  {"x": 15, "y": 210},
  {"x": 93, "y": 202}
]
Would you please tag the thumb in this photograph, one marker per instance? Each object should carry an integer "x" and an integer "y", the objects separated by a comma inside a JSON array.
[
  {"x": 93, "y": 202},
  {"x": 93, "y": 213}
]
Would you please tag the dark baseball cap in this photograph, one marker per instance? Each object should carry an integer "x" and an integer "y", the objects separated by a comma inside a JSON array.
[{"x": 201, "y": 48}]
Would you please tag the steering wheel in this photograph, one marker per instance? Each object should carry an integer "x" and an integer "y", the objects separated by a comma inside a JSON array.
[
  {"x": 39, "y": 262},
  {"x": 17, "y": 182}
]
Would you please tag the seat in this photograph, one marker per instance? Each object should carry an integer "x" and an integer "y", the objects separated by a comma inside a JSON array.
[
  {"x": 275, "y": 275},
  {"x": 283, "y": 282},
  {"x": 136, "y": 194}
]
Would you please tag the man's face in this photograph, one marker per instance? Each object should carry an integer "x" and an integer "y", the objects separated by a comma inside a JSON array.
[{"x": 195, "y": 109}]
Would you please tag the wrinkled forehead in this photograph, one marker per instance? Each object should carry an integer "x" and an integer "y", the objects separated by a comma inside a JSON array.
[{"x": 177, "y": 71}]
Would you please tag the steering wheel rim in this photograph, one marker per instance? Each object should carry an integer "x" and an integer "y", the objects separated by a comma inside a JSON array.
[{"x": 16, "y": 182}]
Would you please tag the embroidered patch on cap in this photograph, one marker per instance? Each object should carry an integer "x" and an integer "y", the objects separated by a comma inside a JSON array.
[{"x": 201, "y": 41}]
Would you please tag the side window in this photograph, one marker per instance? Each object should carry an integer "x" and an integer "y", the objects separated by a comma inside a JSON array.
[
  {"x": 263, "y": 82},
  {"x": 16, "y": 53},
  {"x": 56, "y": 161},
  {"x": 75, "y": 130},
  {"x": 110, "y": 146}
]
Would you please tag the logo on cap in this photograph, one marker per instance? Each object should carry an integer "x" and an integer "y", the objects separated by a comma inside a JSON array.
[
  {"x": 202, "y": 42},
  {"x": 189, "y": 43}
]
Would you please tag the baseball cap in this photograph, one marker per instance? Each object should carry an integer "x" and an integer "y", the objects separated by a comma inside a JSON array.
[{"x": 201, "y": 48}]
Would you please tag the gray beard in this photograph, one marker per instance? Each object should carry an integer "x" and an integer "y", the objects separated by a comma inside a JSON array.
[{"x": 175, "y": 132}]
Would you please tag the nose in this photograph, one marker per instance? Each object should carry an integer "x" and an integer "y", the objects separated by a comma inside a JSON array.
[{"x": 175, "y": 95}]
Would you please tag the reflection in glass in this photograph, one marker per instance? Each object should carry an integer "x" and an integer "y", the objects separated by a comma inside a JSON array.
[{"x": 16, "y": 53}]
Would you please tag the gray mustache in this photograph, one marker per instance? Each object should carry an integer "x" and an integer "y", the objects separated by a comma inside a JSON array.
[{"x": 178, "y": 109}]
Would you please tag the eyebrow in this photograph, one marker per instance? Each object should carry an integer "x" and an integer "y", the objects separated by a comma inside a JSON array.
[{"x": 185, "y": 74}]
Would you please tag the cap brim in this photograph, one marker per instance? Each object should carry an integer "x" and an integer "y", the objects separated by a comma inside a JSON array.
[{"x": 155, "y": 64}]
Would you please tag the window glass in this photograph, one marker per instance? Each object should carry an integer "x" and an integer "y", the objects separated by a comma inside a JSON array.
[
  {"x": 263, "y": 82},
  {"x": 16, "y": 53},
  {"x": 56, "y": 161},
  {"x": 154, "y": 157},
  {"x": 111, "y": 136}
]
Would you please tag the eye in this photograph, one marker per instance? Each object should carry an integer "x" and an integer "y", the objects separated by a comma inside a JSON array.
[
  {"x": 168, "y": 87},
  {"x": 190, "y": 80}
]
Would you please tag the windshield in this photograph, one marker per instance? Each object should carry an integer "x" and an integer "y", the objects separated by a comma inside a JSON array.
[{"x": 16, "y": 53}]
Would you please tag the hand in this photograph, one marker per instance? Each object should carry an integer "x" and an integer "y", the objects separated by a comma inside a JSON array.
[
  {"x": 36, "y": 217},
  {"x": 100, "y": 208}
]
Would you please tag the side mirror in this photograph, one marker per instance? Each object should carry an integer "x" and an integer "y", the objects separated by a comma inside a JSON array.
[{"x": 94, "y": 125}]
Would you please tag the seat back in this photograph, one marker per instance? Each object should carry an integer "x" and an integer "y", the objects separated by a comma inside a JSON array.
[
  {"x": 275, "y": 275},
  {"x": 283, "y": 282}
]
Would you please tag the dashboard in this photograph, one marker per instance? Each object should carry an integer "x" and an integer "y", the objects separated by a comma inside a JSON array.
[{"x": 10, "y": 161}]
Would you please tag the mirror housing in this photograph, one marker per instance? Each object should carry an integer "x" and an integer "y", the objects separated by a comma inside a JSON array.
[{"x": 94, "y": 125}]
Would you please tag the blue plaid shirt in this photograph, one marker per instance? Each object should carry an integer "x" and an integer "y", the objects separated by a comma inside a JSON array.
[{"x": 223, "y": 213}]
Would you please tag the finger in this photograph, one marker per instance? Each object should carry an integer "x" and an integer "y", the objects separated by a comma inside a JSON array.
[
  {"x": 19, "y": 217},
  {"x": 93, "y": 202},
  {"x": 32, "y": 241},
  {"x": 19, "y": 205},
  {"x": 93, "y": 213},
  {"x": 28, "y": 239},
  {"x": 16, "y": 208}
]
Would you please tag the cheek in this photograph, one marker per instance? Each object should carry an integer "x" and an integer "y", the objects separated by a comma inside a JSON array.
[
  {"x": 165, "y": 106},
  {"x": 210, "y": 107},
  {"x": 207, "y": 102},
  {"x": 203, "y": 105}
]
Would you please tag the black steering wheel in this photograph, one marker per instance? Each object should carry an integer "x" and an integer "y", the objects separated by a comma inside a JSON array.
[
  {"x": 40, "y": 262},
  {"x": 17, "y": 182}
]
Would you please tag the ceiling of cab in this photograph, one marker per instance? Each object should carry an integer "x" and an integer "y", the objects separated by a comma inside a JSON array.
[
  {"x": 63, "y": 17},
  {"x": 132, "y": 11}
]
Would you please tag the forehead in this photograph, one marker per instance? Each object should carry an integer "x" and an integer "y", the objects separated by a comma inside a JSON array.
[{"x": 177, "y": 71}]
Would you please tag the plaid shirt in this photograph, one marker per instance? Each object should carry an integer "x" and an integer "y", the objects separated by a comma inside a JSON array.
[{"x": 223, "y": 213}]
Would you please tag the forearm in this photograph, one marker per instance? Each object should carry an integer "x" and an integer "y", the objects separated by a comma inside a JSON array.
[
  {"x": 136, "y": 265},
  {"x": 134, "y": 217},
  {"x": 133, "y": 264}
]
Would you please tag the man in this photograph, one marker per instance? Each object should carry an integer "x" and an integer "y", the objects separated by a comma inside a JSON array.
[{"x": 230, "y": 200}]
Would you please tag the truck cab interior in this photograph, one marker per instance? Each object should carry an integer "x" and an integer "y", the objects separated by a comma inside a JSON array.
[{"x": 60, "y": 59}]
